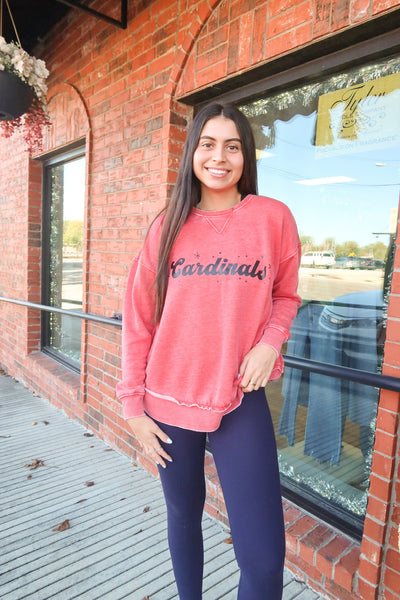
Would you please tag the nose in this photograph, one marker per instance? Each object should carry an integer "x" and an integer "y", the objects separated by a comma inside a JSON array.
[{"x": 218, "y": 153}]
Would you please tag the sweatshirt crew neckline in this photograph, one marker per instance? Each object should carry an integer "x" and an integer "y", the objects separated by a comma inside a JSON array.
[{"x": 226, "y": 211}]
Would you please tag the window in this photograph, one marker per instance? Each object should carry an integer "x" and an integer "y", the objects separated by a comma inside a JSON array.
[
  {"x": 330, "y": 150},
  {"x": 64, "y": 201}
]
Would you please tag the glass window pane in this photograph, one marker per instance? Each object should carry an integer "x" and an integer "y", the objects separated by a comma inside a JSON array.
[
  {"x": 66, "y": 193},
  {"x": 330, "y": 151},
  {"x": 325, "y": 446}
]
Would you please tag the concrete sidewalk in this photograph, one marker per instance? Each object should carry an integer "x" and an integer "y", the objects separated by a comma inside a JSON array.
[{"x": 116, "y": 545}]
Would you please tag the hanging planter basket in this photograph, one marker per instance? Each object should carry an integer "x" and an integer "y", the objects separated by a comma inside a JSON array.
[{"x": 15, "y": 96}]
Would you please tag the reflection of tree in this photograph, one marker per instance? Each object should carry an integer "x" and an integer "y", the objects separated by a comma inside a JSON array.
[
  {"x": 307, "y": 243},
  {"x": 306, "y": 239},
  {"x": 329, "y": 244},
  {"x": 377, "y": 250},
  {"x": 55, "y": 275},
  {"x": 73, "y": 234},
  {"x": 349, "y": 248}
]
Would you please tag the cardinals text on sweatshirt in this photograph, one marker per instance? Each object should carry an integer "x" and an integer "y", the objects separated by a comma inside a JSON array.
[{"x": 233, "y": 277}]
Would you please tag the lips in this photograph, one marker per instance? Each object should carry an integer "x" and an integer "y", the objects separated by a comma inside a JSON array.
[{"x": 217, "y": 172}]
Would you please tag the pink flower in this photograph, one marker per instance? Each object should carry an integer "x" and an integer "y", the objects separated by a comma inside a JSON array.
[{"x": 33, "y": 72}]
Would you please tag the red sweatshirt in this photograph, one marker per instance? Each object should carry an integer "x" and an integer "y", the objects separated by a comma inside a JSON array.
[{"x": 233, "y": 277}]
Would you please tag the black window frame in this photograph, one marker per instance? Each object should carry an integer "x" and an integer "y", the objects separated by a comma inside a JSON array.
[{"x": 65, "y": 155}]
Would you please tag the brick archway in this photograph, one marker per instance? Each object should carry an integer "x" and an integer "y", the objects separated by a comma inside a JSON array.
[{"x": 69, "y": 117}]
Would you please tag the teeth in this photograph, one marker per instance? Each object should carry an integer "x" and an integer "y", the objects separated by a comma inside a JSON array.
[{"x": 218, "y": 171}]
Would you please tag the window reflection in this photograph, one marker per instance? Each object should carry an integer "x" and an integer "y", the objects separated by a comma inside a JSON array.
[
  {"x": 65, "y": 201},
  {"x": 329, "y": 150}
]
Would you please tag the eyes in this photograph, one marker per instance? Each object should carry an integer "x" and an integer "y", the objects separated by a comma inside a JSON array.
[{"x": 231, "y": 147}]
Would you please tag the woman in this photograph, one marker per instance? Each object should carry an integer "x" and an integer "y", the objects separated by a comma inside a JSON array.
[{"x": 209, "y": 302}]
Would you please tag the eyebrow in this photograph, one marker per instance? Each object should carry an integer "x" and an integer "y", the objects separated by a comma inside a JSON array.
[{"x": 209, "y": 137}]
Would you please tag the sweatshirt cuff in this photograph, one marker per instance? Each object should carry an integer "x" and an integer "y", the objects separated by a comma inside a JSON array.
[
  {"x": 274, "y": 337},
  {"x": 132, "y": 406}
]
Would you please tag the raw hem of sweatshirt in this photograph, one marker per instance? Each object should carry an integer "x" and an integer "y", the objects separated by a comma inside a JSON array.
[{"x": 193, "y": 418}]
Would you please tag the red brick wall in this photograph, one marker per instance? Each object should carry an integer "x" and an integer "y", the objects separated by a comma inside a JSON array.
[
  {"x": 119, "y": 91},
  {"x": 14, "y": 231}
]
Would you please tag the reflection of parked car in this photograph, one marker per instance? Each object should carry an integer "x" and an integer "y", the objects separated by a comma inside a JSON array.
[
  {"x": 340, "y": 262},
  {"x": 347, "y": 262},
  {"x": 353, "y": 262},
  {"x": 367, "y": 263},
  {"x": 324, "y": 258},
  {"x": 379, "y": 264}
]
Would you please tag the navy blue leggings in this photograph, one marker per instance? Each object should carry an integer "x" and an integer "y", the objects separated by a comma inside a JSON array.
[{"x": 244, "y": 451}]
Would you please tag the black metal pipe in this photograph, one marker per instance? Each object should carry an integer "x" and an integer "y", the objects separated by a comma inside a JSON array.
[
  {"x": 385, "y": 382},
  {"x": 116, "y": 322},
  {"x": 122, "y": 23}
]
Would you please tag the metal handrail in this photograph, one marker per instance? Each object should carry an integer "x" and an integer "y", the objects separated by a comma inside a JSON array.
[
  {"x": 116, "y": 322},
  {"x": 385, "y": 382}
]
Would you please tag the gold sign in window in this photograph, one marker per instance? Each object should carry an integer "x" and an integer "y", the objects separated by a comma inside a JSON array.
[{"x": 363, "y": 115}]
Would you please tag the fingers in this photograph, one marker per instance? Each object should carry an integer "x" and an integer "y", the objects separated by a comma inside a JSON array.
[
  {"x": 248, "y": 385},
  {"x": 158, "y": 454},
  {"x": 155, "y": 451},
  {"x": 256, "y": 367},
  {"x": 149, "y": 436},
  {"x": 253, "y": 383},
  {"x": 162, "y": 436},
  {"x": 249, "y": 379}
]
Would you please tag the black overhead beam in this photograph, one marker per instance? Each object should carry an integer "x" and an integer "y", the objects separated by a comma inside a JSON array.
[{"x": 122, "y": 23}]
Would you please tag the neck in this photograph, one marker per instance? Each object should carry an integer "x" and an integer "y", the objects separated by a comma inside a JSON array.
[{"x": 214, "y": 201}]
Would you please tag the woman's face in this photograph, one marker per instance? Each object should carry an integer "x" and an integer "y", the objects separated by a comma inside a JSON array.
[{"x": 218, "y": 158}]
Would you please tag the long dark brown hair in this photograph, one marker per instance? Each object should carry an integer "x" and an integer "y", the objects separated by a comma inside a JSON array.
[{"x": 187, "y": 190}]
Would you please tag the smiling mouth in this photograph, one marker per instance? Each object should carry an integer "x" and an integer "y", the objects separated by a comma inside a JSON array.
[{"x": 217, "y": 171}]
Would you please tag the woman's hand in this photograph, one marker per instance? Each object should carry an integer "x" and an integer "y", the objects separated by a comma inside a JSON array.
[
  {"x": 256, "y": 367},
  {"x": 148, "y": 434}
]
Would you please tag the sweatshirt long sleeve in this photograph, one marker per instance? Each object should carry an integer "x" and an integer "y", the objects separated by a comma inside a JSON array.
[{"x": 232, "y": 284}]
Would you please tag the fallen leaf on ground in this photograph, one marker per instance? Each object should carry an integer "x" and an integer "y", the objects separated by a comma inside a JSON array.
[
  {"x": 146, "y": 598},
  {"x": 83, "y": 500},
  {"x": 5, "y": 436},
  {"x": 134, "y": 464},
  {"x": 46, "y": 422},
  {"x": 62, "y": 526},
  {"x": 146, "y": 509},
  {"x": 35, "y": 463},
  {"x": 89, "y": 483},
  {"x": 108, "y": 450},
  {"x": 88, "y": 434},
  {"x": 29, "y": 477},
  {"x": 138, "y": 531},
  {"x": 34, "y": 423},
  {"x": 122, "y": 499},
  {"x": 228, "y": 541}
]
